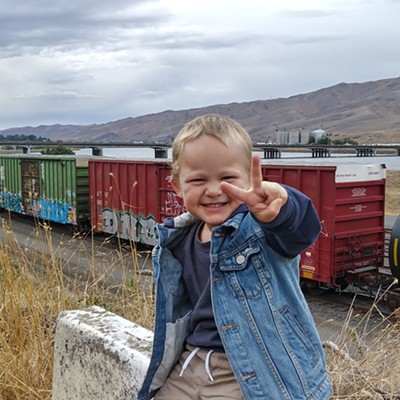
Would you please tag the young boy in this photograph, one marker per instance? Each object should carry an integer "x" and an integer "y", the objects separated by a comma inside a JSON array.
[{"x": 231, "y": 321}]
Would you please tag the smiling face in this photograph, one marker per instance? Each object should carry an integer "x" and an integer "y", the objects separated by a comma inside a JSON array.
[{"x": 204, "y": 163}]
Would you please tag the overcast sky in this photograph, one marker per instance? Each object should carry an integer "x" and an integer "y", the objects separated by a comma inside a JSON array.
[{"x": 94, "y": 61}]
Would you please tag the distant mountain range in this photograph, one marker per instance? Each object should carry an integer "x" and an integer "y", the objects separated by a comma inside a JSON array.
[{"x": 367, "y": 112}]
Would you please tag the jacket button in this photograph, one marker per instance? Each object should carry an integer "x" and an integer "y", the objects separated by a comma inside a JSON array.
[{"x": 240, "y": 259}]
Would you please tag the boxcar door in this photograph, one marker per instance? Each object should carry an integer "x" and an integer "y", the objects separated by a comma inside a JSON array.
[{"x": 30, "y": 184}]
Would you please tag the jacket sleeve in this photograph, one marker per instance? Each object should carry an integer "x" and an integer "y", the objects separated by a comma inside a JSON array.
[{"x": 296, "y": 227}]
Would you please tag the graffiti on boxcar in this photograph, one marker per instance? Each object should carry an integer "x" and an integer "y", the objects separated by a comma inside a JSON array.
[
  {"x": 11, "y": 201},
  {"x": 54, "y": 210},
  {"x": 324, "y": 229},
  {"x": 127, "y": 225},
  {"x": 173, "y": 206}
]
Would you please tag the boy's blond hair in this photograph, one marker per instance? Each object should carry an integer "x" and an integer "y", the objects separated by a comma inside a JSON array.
[{"x": 225, "y": 129}]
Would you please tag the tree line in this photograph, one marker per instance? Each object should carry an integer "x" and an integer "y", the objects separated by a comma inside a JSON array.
[
  {"x": 23, "y": 138},
  {"x": 326, "y": 140},
  {"x": 59, "y": 149}
]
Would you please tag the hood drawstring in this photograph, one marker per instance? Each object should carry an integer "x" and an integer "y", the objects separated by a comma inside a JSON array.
[{"x": 207, "y": 362}]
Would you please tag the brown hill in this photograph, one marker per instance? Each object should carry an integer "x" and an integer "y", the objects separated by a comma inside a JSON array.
[{"x": 368, "y": 112}]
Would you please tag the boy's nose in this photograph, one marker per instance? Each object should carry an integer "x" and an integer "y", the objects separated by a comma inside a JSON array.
[{"x": 213, "y": 189}]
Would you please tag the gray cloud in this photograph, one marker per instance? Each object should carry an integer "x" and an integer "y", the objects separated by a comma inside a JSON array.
[{"x": 39, "y": 24}]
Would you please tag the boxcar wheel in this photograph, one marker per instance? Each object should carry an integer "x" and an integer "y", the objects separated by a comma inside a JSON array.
[{"x": 311, "y": 287}]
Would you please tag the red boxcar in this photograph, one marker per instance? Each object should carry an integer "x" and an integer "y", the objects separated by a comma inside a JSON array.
[
  {"x": 350, "y": 200},
  {"x": 129, "y": 196}
]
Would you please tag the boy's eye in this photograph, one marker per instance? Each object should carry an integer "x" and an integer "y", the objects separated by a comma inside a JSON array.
[
  {"x": 228, "y": 178},
  {"x": 196, "y": 180}
]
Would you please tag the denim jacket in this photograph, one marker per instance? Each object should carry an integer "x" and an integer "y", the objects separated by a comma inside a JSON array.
[{"x": 264, "y": 322}]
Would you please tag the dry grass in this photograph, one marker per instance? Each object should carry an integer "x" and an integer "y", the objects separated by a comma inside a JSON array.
[
  {"x": 364, "y": 361},
  {"x": 392, "y": 201},
  {"x": 33, "y": 291}
]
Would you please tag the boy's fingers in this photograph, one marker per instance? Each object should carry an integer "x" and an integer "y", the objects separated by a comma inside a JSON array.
[
  {"x": 274, "y": 208},
  {"x": 234, "y": 192},
  {"x": 256, "y": 175}
]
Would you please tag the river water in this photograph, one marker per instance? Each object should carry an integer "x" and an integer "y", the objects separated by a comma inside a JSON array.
[{"x": 391, "y": 162}]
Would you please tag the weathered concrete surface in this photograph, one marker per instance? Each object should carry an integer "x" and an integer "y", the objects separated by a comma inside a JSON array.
[{"x": 99, "y": 355}]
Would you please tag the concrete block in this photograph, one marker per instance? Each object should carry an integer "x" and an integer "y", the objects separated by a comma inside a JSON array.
[{"x": 99, "y": 355}]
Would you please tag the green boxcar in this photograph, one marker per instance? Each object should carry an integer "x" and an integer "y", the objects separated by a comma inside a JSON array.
[{"x": 49, "y": 187}]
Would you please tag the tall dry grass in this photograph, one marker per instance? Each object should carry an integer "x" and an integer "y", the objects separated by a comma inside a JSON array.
[
  {"x": 34, "y": 289},
  {"x": 364, "y": 359}
]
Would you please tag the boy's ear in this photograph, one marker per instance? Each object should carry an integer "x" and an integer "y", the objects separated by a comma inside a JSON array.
[{"x": 176, "y": 188}]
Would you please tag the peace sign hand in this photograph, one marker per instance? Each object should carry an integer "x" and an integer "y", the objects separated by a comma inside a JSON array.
[{"x": 264, "y": 199}]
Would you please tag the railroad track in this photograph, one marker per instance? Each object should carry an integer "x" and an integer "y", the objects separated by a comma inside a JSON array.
[{"x": 344, "y": 301}]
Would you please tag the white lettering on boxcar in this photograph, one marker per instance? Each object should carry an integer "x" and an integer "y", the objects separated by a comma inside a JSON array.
[{"x": 359, "y": 192}]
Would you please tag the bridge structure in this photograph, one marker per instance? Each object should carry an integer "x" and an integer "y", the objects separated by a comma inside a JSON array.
[
  {"x": 317, "y": 151},
  {"x": 270, "y": 150},
  {"x": 160, "y": 149}
]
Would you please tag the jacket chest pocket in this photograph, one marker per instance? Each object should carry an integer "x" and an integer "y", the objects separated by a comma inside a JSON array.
[{"x": 245, "y": 272}]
